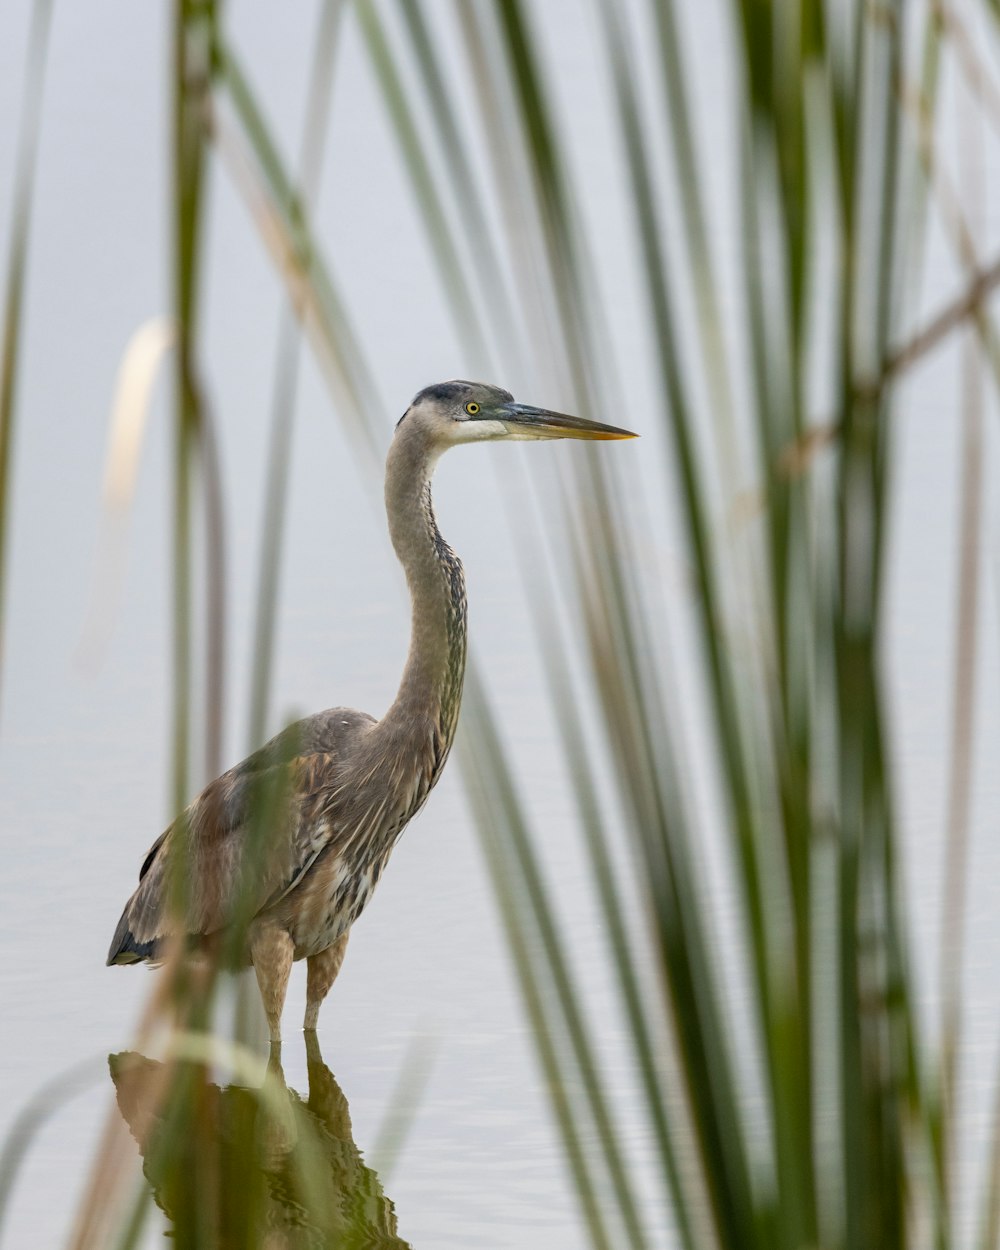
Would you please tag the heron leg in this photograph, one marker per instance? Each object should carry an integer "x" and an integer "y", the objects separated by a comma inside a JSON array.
[
  {"x": 272, "y": 951},
  {"x": 322, "y": 972}
]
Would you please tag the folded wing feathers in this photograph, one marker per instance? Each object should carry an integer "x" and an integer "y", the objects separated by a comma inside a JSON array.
[{"x": 226, "y": 855}]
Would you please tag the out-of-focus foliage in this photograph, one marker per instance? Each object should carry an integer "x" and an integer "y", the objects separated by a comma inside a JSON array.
[
  {"x": 229, "y": 1167},
  {"x": 843, "y": 1134}
]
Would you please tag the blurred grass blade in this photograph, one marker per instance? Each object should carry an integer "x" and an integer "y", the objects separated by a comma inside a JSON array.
[
  {"x": 957, "y": 818},
  {"x": 17, "y": 262},
  {"x": 989, "y": 1229},
  {"x": 463, "y": 306},
  {"x": 533, "y": 889},
  {"x": 192, "y": 45},
  {"x": 625, "y": 956},
  {"x": 286, "y": 382},
  {"x": 468, "y": 193},
  {"x": 286, "y": 230},
  {"x": 40, "y": 1108},
  {"x": 404, "y": 1105},
  {"x": 547, "y": 1031},
  {"x": 689, "y": 181},
  {"x": 134, "y": 385}
]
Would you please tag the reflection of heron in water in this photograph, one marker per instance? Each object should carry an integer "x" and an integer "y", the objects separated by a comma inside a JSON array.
[
  {"x": 286, "y": 1172},
  {"x": 342, "y": 785}
]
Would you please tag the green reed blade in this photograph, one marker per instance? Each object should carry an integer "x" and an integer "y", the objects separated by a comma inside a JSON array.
[
  {"x": 17, "y": 262},
  {"x": 43, "y": 1104},
  {"x": 134, "y": 1223},
  {"x": 509, "y": 896},
  {"x": 341, "y": 355},
  {"x": 458, "y": 168},
  {"x": 191, "y": 57},
  {"x": 569, "y": 715},
  {"x": 989, "y": 1228},
  {"x": 537, "y": 894},
  {"x": 286, "y": 381},
  {"x": 463, "y": 306},
  {"x": 564, "y": 1031}
]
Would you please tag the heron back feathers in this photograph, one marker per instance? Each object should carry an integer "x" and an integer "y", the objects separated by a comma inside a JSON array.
[{"x": 245, "y": 840}]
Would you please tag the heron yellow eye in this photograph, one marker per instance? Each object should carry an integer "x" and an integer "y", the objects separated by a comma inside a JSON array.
[{"x": 472, "y": 408}]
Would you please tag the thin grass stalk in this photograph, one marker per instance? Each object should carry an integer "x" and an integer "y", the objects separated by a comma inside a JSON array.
[
  {"x": 569, "y": 713},
  {"x": 17, "y": 262},
  {"x": 874, "y": 1015},
  {"x": 953, "y": 217},
  {"x": 534, "y": 891},
  {"x": 900, "y": 1019},
  {"x": 135, "y": 382},
  {"x": 107, "y": 1168},
  {"x": 285, "y": 382},
  {"x": 192, "y": 67},
  {"x": 928, "y": 97},
  {"x": 775, "y": 176},
  {"x": 286, "y": 229},
  {"x": 32, "y": 1118},
  {"x": 788, "y": 580},
  {"x": 687, "y": 178},
  {"x": 108, "y": 1172},
  {"x": 509, "y": 899},
  {"x": 323, "y": 314},
  {"x": 468, "y": 196},
  {"x": 215, "y": 595},
  {"x": 774, "y": 148},
  {"x": 778, "y": 212},
  {"x": 956, "y": 853},
  {"x": 849, "y": 999},
  {"x": 989, "y": 1225},
  {"x": 649, "y": 788},
  {"x": 974, "y": 68},
  {"x": 960, "y": 764},
  {"x": 551, "y": 217},
  {"x": 397, "y": 1121},
  {"x": 510, "y": 174},
  {"x": 135, "y": 1222},
  {"x": 461, "y": 302}
]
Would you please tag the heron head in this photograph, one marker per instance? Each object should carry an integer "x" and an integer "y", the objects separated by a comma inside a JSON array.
[{"x": 472, "y": 412}]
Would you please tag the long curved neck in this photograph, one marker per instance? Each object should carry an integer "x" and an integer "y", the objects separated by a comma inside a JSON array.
[{"x": 431, "y": 688}]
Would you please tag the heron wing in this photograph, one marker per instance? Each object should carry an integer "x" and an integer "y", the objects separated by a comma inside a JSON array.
[{"x": 243, "y": 843}]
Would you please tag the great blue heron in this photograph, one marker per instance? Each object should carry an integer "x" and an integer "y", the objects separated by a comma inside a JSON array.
[{"x": 348, "y": 784}]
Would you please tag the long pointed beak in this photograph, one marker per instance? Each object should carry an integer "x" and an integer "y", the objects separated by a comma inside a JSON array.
[{"x": 523, "y": 421}]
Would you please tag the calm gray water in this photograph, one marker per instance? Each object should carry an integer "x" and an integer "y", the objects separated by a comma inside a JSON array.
[{"x": 83, "y": 751}]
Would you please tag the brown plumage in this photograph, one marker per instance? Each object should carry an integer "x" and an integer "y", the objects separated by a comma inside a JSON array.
[{"x": 286, "y": 847}]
